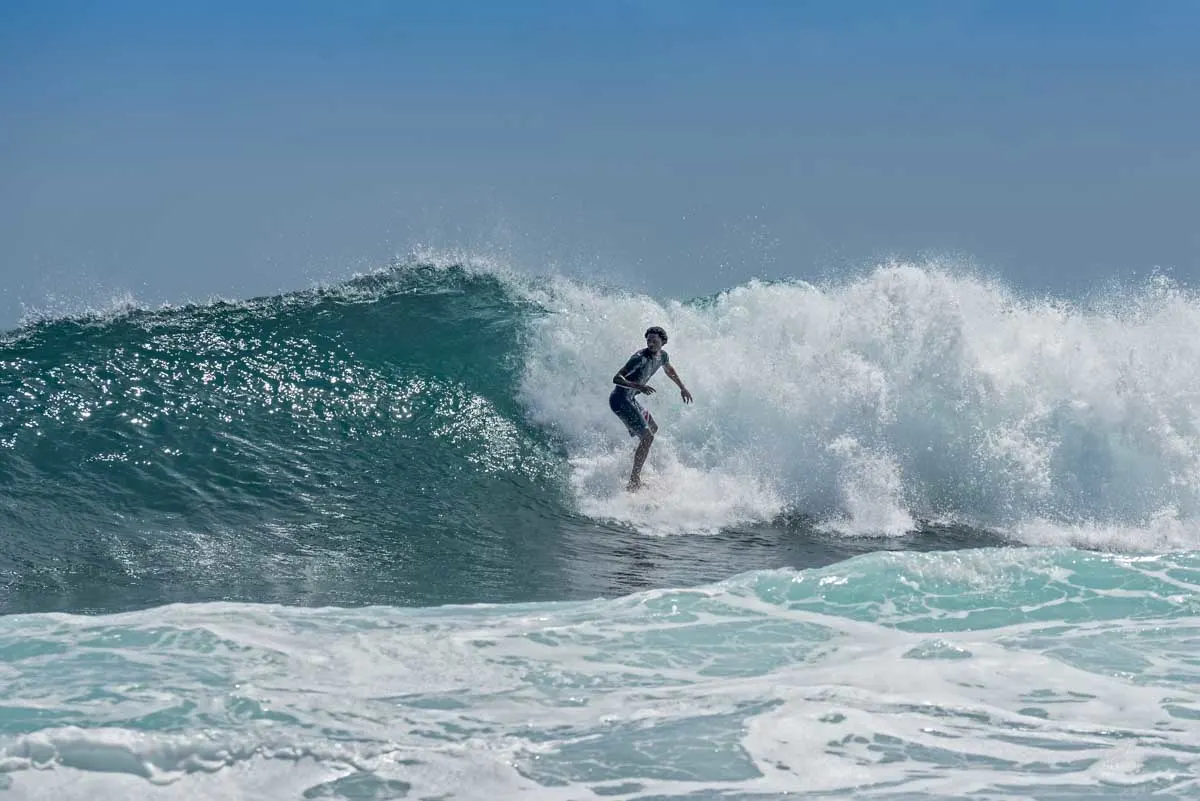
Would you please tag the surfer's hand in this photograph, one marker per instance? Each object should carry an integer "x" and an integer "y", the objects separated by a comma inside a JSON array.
[
  {"x": 687, "y": 396},
  {"x": 649, "y": 390}
]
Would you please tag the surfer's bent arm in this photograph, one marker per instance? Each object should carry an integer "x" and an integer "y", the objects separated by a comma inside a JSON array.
[
  {"x": 674, "y": 376},
  {"x": 622, "y": 381}
]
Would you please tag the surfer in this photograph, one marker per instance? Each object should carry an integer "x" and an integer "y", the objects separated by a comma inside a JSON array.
[{"x": 631, "y": 380}]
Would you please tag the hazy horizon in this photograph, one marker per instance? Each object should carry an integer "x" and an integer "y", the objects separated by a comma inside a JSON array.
[{"x": 174, "y": 153}]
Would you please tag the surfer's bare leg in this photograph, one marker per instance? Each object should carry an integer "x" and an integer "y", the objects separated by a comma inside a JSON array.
[
  {"x": 643, "y": 450},
  {"x": 639, "y": 459}
]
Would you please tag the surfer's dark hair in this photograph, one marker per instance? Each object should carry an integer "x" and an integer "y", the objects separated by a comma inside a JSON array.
[{"x": 657, "y": 329}]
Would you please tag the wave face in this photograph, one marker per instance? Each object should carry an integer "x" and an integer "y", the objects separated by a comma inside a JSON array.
[
  {"x": 1004, "y": 674},
  {"x": 435, "y": 434},
  {"x": 365, "y": 437}
]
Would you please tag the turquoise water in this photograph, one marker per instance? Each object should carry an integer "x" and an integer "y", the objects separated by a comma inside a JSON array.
[{"x": 918, "y": 537}]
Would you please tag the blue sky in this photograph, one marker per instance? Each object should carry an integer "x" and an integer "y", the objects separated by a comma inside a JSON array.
[{"x": 178, "y": 150}]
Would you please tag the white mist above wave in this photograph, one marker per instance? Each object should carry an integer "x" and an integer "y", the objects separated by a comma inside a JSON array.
[{"x": 911, "y": 393}]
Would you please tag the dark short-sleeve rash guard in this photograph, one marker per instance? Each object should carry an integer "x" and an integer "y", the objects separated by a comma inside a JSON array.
[{"x": 640, "y": 367}]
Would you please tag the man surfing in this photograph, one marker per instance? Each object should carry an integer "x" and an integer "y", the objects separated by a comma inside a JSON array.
[{"x": 630, "y": 381}]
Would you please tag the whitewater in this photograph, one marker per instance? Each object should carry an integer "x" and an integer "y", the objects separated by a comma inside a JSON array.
[
  {"x": 921, "y": 535},
  {"x": 912, "y": 394}
]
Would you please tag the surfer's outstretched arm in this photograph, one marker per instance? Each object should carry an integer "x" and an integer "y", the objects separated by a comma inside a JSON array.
[{"x": 674, "y": 376}]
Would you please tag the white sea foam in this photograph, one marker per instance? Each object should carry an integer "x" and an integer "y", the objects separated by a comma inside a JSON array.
[{"x": 1010, "y": 674}]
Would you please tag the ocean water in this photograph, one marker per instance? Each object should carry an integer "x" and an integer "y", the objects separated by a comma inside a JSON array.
[{"x": 920, "y": 536}]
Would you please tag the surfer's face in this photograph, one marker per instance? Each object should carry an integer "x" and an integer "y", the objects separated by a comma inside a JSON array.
[{"x": 654, "y": 342}]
